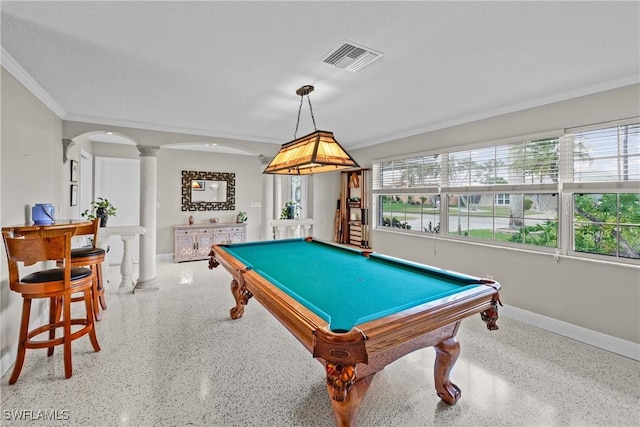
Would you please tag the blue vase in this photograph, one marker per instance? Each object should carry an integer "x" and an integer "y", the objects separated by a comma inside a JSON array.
[{"x": 43, "y": 213}]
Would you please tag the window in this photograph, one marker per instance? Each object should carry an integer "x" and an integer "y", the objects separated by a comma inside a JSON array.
[
  {"x": 292, "y": 188},
  {"x": 607, "y": 224},
  {"x": 528, "y": 215},
  {"x": 510, "y": 194},
  {"x": 479, "y": 216},
  {"x": 607, "y": 155},
  {"x": 419, "y": 212},
  {"x": 502, "y": 199},
  {"x": 605, "y": 170}
]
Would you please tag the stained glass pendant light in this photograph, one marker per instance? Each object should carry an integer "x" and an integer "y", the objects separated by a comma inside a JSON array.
[{"x": 314, "y": 153}]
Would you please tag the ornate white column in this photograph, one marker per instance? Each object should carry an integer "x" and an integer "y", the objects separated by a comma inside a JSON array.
[
  {"x": 267, "y": 201},
  {"x": 148, "y": 217}
]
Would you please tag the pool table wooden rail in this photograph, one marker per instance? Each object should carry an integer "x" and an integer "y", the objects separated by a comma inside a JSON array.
[{"x": 351, "y": 359}]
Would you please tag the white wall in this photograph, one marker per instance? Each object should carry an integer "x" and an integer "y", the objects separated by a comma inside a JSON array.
[
  {"x": 326, "y": 193},
  {"x": 118, "y": 180},
  {"x": 32, "y": 172},
  {"x": 171, "y": 163}
]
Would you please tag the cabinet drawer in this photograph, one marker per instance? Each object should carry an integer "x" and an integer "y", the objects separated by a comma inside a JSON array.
[
  {"x": 188, "y": 232},
  {"x": 225, "y": 230}
]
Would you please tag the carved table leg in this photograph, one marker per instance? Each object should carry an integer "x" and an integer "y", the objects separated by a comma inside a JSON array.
[
  {"x": 345, "y": 392},
  {"x": 447, "y": 353},
  {"x": 241, "y": 295}
]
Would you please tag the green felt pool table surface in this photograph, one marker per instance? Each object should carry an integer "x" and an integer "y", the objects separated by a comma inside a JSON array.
[{"x": 318, "y": 275}]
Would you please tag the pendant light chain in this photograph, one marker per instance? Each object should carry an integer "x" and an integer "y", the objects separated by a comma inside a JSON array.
[
  {"x": 295, "y": 133},
  {"x": 313, "y": 119}
]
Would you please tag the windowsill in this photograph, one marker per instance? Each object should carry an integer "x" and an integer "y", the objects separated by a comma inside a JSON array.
[{"x": 551, "y": 252}]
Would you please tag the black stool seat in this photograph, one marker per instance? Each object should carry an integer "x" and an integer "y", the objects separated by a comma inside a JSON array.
[
  {"x": 86, "y": 251},
  {"x": 56, "y": 274}
]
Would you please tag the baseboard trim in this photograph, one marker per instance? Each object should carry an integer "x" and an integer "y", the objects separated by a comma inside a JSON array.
[
  {"x": 164, "y": 257},
  {"x": 597, "y": 339}
]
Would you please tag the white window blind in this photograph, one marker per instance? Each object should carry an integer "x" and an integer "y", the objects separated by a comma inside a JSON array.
[
  {"x": 606, "y": 155},
  {"x": 523, "y": 163},
  {"x": 421, "y": 172}
]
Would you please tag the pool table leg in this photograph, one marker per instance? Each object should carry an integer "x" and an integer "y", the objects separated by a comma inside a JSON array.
[
  {"x": 241, "y": 294},
  {"x": 346, "y": 401},
  {"x": 447, "y": 353}
]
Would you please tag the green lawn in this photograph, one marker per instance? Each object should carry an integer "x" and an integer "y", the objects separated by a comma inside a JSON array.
[
  {"x": 487, "y": 234},
  {"x": 398, "y": 208}
]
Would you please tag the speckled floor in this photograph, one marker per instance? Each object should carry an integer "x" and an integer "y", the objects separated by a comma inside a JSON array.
[{"x": 173, "y": 357}]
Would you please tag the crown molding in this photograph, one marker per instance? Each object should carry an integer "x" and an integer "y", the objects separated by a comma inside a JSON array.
[
  {"x": 12, "y": 66},
  {"x": 166, "y": 128}
]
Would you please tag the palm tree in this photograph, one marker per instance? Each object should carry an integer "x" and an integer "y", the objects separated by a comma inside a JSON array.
[{"x": 537, "y": 161}]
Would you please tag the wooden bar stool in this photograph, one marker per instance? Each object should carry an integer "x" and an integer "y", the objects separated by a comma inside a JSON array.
[
  {"x": 56, "y": 284},
  {"x": 91, "y": 256}
]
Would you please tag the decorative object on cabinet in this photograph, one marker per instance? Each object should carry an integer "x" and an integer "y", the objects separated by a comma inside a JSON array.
[
  {"x": 193, "y": 242},
  {"x": 241, "y": 217},
  {"x": 352, "y": 218},
  {"x": 102, "y": 208},
  {"x": 208, "y": 191},
  {"x": 314, "y": 153}
]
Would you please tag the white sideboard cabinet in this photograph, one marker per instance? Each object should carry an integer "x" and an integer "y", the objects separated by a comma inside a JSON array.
[{"x": 193, "y": 242}]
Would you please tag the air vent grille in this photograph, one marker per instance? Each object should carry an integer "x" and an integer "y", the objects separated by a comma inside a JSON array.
[{"x": 351, "y": 56}]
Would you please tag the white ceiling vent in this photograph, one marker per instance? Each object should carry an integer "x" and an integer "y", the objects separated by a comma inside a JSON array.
[{"x": 351, "y": 56}]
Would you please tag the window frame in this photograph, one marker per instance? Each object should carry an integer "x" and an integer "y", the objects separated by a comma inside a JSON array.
[{"x": 562, "y": 186}]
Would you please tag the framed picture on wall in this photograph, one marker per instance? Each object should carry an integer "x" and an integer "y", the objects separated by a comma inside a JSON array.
[
  {"x": 74, "y": 195},
  {"x": 74, "y": 171}
]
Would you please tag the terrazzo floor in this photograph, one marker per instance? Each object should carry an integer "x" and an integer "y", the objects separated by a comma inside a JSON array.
[{"x": 173, "y": 358}]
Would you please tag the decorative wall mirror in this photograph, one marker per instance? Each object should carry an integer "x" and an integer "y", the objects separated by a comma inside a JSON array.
[{"x": 208, "y": 191}]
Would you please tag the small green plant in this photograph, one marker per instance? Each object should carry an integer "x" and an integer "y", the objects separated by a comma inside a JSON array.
[
  {"x": 241, "y": 217},
  {"x": 100, "y": 208},
  {"x": 290, "y": 210}
]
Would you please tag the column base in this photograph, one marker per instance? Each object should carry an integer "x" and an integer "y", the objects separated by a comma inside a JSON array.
[{"x": 146, "y": 286}]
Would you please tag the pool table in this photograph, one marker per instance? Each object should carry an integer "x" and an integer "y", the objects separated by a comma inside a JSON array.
[{"x": 357, "y": 311}]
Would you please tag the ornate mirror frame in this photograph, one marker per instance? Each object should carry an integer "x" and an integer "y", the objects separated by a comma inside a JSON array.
[{"x": 228, "y": 205}]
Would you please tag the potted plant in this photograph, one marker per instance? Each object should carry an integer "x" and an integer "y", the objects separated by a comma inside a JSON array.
[
  {"x": 290, "y": 210},
  {"x": 241, "y": 217},
  {"x": 102, "y": 208}
]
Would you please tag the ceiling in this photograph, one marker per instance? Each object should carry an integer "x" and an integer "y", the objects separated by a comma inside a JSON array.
[{"x": 231, "y": 69}]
